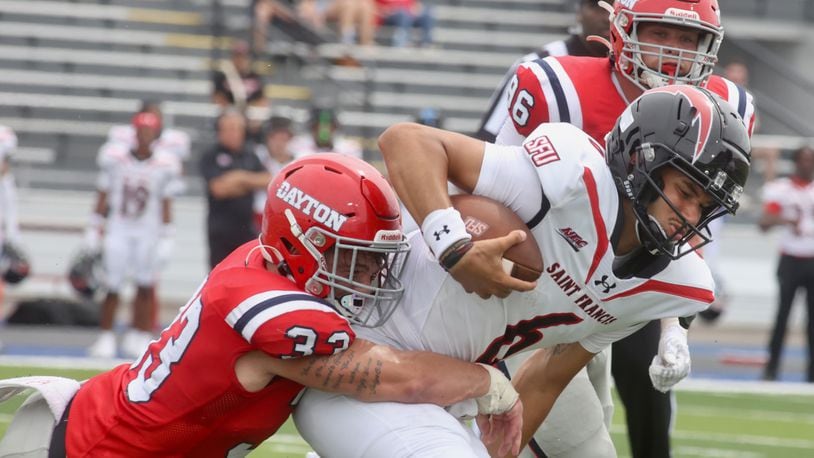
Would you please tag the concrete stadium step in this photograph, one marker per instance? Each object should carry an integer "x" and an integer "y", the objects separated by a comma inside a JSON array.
[
  {"x": 468, "y": 16},
  {"x": 525, "y": 5},
  {"x": 377, "y": 56},
  {"x": 169, "y": 88},
  {"x": 100, "y": 11},
  {"x": 415, "y": 79},
  {"x": 99, "y": 36},
  {"x": 102, "y": 59}
]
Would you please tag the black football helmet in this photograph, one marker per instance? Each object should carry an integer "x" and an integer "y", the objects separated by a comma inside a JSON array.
[
  {"x": 14, "y": 264},
  {"x": 697, "y": 133},
  {"x": 85, "y": 273}
]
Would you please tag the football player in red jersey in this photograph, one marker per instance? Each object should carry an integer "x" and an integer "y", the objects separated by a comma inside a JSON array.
[
  {"x": 273, "y": 316},
  {"x": 653, "y": 43}
]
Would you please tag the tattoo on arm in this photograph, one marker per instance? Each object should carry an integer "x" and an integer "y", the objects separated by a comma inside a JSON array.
[{"x": 345, "y": 367}]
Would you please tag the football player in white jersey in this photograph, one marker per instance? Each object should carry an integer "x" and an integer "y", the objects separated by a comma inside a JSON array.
[
  {"x": 677, "y": 159},
  {"x": 133, "y": 208}
]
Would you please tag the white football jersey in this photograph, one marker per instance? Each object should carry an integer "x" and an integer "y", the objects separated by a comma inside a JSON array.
[
  {"x": 557, "y": 182},
  {"x": 135, "y": 188},
  {"x": 793, "y": 199}
]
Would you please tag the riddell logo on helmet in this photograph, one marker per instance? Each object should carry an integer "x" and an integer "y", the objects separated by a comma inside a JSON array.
[
  {"x": 389, "y": 236},
  {"x": 303, "y": 202},
  {"x": 627, "y": 3},
  {"x": 675, "y": 12}
]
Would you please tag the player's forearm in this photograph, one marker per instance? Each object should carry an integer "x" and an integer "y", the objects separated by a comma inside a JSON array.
[
  {"x": 412, "y": 156},
  {"x": 371, "y": 372},
  {"x": 538, "y": 396},
  {"x": 541, "y": 379}
]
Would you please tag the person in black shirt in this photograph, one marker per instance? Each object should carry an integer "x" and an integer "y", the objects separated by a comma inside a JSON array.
[
  {"x": 236, "y": 83},
  {"x": 233, "y": 173}
]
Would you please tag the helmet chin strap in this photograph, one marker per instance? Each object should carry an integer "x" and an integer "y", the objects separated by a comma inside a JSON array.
[
  {"x": 597, "y": 39},
  {"x": 352, "y": 302},
  {"x": 658, "y": 238},
  {"x": 607, "y": 7},
  {"x": 652, "y": 80}
]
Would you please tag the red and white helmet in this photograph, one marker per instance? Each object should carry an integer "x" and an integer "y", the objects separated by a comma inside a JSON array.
[
  {"x": 702, "y": 15},
  {"x": 332, "y": 208}
]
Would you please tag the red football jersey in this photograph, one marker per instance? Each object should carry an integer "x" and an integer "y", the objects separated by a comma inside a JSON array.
[
  {"x": 182, "y": 397},
  {"x": 585, "y": 92}
]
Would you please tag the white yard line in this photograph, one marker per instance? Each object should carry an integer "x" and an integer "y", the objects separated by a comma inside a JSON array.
[
  {"x": 740, "y": 439},
  {"x": 747, "y": 414}
]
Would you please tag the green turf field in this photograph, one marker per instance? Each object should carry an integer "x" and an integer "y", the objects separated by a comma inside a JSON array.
[{"x": 719, "y": 425}]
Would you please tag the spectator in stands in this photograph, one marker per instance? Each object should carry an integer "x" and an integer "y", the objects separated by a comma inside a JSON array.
[
  {"x": 233, "y": 172},
  {"x": 274, "y": 153},
  {"x": 236, "y": 83},
  {"x": 323, "y": 136},
  {"x": 132, "y": 226},
  {"x": 262, "y": 13},
  {"x": 405, "y": 15},
  {"x": 591, "y": 20},
  {"x": 354, "y": 18},
  {"x": 789, "y": 204}
]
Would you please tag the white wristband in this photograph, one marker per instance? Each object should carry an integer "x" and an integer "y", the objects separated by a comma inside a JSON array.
[{"x": 442, "y": 228}]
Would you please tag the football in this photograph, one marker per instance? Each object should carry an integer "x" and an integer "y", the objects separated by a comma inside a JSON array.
[{"x": 485, "y": 219}]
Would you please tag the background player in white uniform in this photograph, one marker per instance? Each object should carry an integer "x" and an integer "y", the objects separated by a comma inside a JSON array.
[
  {"x": 135, "y": 191},
  {"x": 613, "y": 238}
]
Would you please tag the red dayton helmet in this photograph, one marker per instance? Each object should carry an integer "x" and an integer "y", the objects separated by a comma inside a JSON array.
[
  {"x": 328, "y": 219},
  {"x": 701, "y": 15}
]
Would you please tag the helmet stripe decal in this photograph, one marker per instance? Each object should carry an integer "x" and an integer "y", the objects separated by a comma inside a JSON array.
[{"x": 703, "y": 117}]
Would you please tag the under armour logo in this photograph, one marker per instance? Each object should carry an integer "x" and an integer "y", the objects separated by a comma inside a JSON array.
[
  {"x": 604, "y": 282},
  {"x": 437, "y": 234}
]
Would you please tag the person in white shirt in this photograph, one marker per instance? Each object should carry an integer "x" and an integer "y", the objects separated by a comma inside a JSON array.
[
  {"x": 788, "y": 203},
  {"x": 677, "y": 159}
]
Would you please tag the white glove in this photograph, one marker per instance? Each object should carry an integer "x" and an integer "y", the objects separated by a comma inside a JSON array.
[
  {"x": 163, "y": 250},
  {"x": 501, "y": 396},
  {"x": 93, "y": 233},
  {"x": 672, "y": 363}
]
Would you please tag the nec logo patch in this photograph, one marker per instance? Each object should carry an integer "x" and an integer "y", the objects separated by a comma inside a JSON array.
[
  {"x": 573, "y": 239},
  {"x": 541, "y": 151}
]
